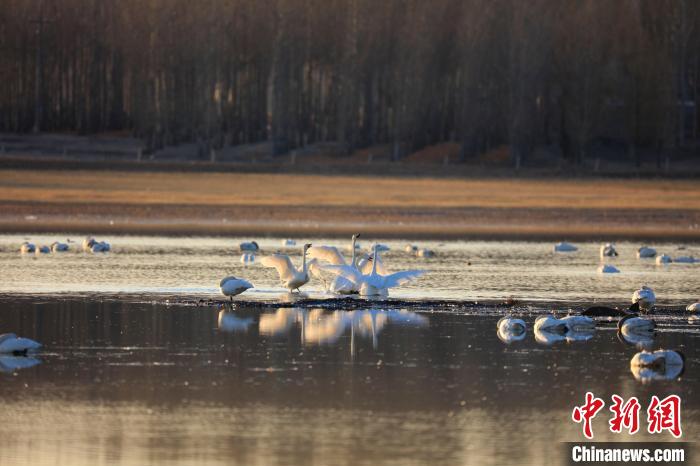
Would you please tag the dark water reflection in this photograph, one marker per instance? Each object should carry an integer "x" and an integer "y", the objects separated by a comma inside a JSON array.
[{"x": 139, "y": 383}]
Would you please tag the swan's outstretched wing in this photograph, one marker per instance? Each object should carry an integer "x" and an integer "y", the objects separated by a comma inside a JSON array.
[
  {"x": 399, "y": 278},
  {"x": 282, "y": 264},
  {"x": 329, "y": 254},
  {"x": 346, "y": 271}
]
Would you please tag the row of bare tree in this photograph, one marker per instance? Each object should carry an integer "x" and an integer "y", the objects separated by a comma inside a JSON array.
[{"x": 563, "y": 75}]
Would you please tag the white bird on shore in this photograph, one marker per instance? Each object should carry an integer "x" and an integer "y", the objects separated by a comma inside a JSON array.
[
  {"x": 659, "y": 365},
  {"x": 43, "y": 250},
  {"x": 247, "y": 258},
  {"x": 291, "y": 278},
  {"x": 411, "y": 248},
  {"x": 249, "y": 246},
  {"x": 645, "y": 297},
  {"x": 510, "y": 329},
  {"x": 231, "y": 286},
  {"x": 12, "y": 344},
  {"x": 332, "y": 256},
  {"x": 27, "y": 248},
  {"x": 91, "y": 245},
  {"x": 608, "y": 250},
  {"x": 288, "y": 243},
  {"x": 645, "y": 252},
  {"x": 374, "y": 284},
  {"x": 663, "y": 259},
  {"x": 606, "y": 268},
  {"x": 59, "y": 247},
  {"x": 565, "y": 247}
]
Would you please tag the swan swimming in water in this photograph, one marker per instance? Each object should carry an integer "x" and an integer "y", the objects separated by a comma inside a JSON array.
[
  {"x": 12, "y": 344},
  {"x": 645, "y": 252},
  {"x": 27, "y": 248},
  {"x": 510, "y": 329},
  {"x": 249, "y": 246},
  {"x": 565, "y": 247},
  {"x": 373, "y": 283},
  {"x": 291, "y": 278},
  {"x": 231, "y": 286},
  {"x": 637, "y": 330},
  {"x": 659, "y": 365},
  {"x": 645, "y": 297},
  {"x": 608, "y": 250}
]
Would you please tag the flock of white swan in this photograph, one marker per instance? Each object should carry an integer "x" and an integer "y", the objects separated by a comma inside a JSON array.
[{"x": 89, "y": 245}]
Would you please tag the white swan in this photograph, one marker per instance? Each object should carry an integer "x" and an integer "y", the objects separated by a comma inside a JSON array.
[
  {"x": 59, "y": 247},
  {"x": 373, "y": 283},
  {"x": 91, "y": 245},
  {"x": 42, "y": 250},
  {"x": 87, "y": 243},
  {"x": 549, "y": 330},
  {"x": 645, "y": 252},
  {"x": 633, "y": 324},
  {"x": 425, "y": 253},
  {"x": 659, "y": 365},
  {"x": 411, "y": 248},
  {"x": 695, "y": 307},
  {"x": 291, "y": 278},
  {"x": 564, "y": 247},
  {"x": 645, "y": 297},
  {"x": 608, "y": 250},
  {"x": 663, "y": 259},
  {"x": 247, "y": 258},
  {"x": 686, "y": 260},
  {"x": 231, "y": 286},
  {"x": 332, "y": 256},
  {"x": 606, "y": 268},
  {"x": 381, "y": 247},
  {"x": 12, "y": 344},
  {"x": 510, "y": 329},
  {"x": 249, "y": 246},
  {"x": 288, "y": 243},
  {"x": 27, "y": 248}
]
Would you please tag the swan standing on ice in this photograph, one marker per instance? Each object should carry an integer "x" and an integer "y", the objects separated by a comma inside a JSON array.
[
  {"x": 608, "y": 250},
  {"x": 374, "y": 284},
  {"x": 645, "y": 297},
  {"x": 565, "y": 247},
  {"x": 645, "y": 252},
  {"x": 663, "y": 259},
  {"x": 59, "y": 247},
  {"x": 291, "y": 278},
  {"x": 231, "y": 286},
  {"x": 27, "y": 248},
  {"x": 331, "y": 255},
  {"x": 12, "y": 344},
  {"x": 249, "y": 246}
]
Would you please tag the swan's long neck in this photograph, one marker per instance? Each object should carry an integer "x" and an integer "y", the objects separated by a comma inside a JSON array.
[
  {"x": 354, "y": 256},
  {"x": 374, "y": 262},
  {"x": 303, "y": 263}
]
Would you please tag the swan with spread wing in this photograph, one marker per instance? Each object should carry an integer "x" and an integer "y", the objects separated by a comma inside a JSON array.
[{"x": 292, "y": 278}]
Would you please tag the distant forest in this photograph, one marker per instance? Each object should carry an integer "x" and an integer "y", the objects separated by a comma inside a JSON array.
[{"x": 565, "y": 75}]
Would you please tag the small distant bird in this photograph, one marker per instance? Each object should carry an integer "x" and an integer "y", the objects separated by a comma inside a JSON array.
[
  {"x": 292, "y": 278},
  {"x": 12, "y": 344},
  {"x": 510, "y": 329},
  {"x": 59, "y": 247},
  {"x": 645, "y": 297},
  {"x": 608, "y": 250},
  {"x": 564, "y": 247},
  {"x": 686, "y": 260},
  {"x": 288, "y": 243},
  {"x": 231, "y": 286},
  {"x": 27, "y": 248},
  {"x": 606, "y": 268},
  {"x": 645, "y": 252},
  {"x": 249, "y": 246},
  {"x": 663, "y": 259},
  {"x": 43, "y": 250}
]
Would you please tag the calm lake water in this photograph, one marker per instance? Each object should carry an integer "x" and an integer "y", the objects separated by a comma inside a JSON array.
[{"x": 131, "y": 375}]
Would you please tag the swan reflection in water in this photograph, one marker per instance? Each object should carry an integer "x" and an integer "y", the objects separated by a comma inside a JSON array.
[
  {"x": 230, "y": 322},
  {"x": 320, "y": 327},
  {"x": 10, "y": 364}
]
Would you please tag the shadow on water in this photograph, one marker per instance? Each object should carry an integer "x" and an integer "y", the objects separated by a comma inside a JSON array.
[{"x": 212, "y": 384}]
